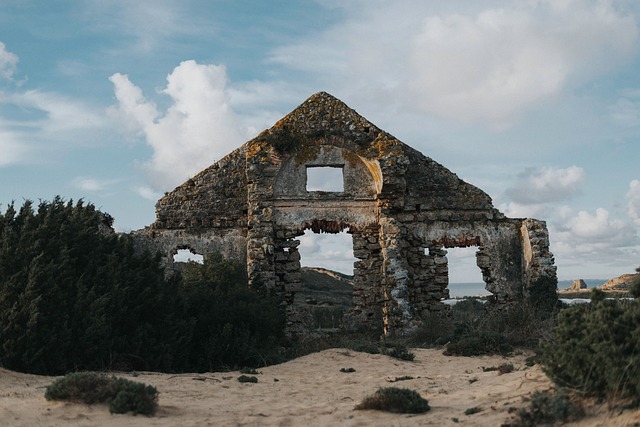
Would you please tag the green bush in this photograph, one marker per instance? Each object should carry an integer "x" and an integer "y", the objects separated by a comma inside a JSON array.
[
  {"x": 397, "y": 400},
  {"x": 121, "y": 394},
  {"x": 596, "y": 348},
  {"x": 478, "y": 344},
  {"x": 547, "y": 409},
  {"x": 232, "y": 324},
  {"x": 399, "y": 351},
  {"x": 75, "y": 295},
  {"x": 505, "y": 368},
  {"x": 472, "y": 410},
  {"x": 247, "y": 379},
  {"x": 134, "y": 397}
]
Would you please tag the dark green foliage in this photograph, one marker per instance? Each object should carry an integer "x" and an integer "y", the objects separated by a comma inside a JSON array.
[
  {"x": 82, "y": 387},
  {"x": 635, "y": 288},
  {"x": 121, "y": 394},
  {"x": 543, "y": 296},
  {"x": 249, "y": 371},
  {"x": 399, "y": 351},
  {"x": 472, "y": 410},
  {"x": 595, "y": 348},
  {"x": 478, "y": 344},
  {"x": 247, "y": 379},
  {"x": 547, "y": 409},
  {"x": 505, "y": 368},
  {"x": 396, "y": 400},
  {"x": 74, "y": 295},
  {"x": 134, "y": 397},
  {"x": 232, "y": 324}
]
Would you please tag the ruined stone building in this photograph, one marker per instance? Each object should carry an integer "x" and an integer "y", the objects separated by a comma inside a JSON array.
[{"x": 402, "y": 208}]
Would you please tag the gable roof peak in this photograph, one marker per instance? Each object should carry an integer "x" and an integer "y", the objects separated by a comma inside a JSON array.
[{"x": 324, "y": 113}]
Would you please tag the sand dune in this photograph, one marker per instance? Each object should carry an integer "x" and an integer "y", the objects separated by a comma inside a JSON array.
[{"x": 309, "y": 391}]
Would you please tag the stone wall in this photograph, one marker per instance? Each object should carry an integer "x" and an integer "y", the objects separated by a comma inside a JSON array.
[{"x": 402, "y": 209}]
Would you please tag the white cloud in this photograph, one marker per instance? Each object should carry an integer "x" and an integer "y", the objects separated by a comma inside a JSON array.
[
  {"x": 148, "y": 24},
  {"x": 595, "y": 235},
  {"x": 197, "y": 129},
  {"x": 147, "y": 193},
  {"x": 8, "y": 62},
  {"x": 60, "y": 114},
  {"x": 501, "y": 61},
  {"x": 633, "y": 197},
  {"x": 92, "y": 185},
  {"x": 331, "y": 251},
  {"x": 517, "y": 210},
  {"x": 38, "y": 123},
  {"x": 13, "y": 151},
  {"x": 546, "y": 185},
  {"x": 626, "y": 110},
  {"x": 486, "y": 65}
]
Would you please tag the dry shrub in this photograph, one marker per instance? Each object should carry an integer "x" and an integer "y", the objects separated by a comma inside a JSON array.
[{"x": 396, "y": 400}]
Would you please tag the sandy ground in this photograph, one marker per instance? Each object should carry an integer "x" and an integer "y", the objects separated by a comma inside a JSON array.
[{"x": 309, "y": 391}]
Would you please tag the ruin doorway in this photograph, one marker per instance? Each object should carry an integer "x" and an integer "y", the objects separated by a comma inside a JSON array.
[
  {"x": 327, "y": 270},
  {"x": 465, "y": 277}
]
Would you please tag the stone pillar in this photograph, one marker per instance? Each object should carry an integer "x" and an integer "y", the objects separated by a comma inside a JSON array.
[
  {"x": 540, "y": 278},
  {"x": 367, "y": 277},
  {"x": 398, "y": 313}
]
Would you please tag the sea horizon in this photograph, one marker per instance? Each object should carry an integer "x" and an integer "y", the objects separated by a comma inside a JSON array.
[{"x": 475, "y": 289}]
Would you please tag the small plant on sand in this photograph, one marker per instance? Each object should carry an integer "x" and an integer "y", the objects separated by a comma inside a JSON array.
[
  {"x": 249, "y": 371},
  {"x": 396, "y": 400},
  {"x": 505, "y": 368},
  {"x": 399, "y": 351},
  {"x": 547, "y": 409},
  {"x": 472, "y": 410},
  {"x": 247, "y": 379},
  {"x": 121, "y": 394}
]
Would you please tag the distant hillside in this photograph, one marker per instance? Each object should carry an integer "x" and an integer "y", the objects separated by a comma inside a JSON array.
[{"x": 324, "y": 287}]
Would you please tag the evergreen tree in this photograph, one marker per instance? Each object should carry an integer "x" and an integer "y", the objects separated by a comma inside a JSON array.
[{"x": 74, "y": 295}]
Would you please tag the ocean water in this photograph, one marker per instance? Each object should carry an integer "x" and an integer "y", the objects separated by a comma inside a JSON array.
[{"x": 460, "y": 290}]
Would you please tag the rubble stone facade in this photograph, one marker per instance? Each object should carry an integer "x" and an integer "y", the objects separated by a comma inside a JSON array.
[{"x": 402, "y": 209}]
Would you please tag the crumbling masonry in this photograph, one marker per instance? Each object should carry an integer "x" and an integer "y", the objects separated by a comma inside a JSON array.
[{"x": 402, "y": 209}]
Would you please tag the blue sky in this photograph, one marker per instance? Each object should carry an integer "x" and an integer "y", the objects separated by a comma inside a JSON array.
[{"x": 536, "y": 102}]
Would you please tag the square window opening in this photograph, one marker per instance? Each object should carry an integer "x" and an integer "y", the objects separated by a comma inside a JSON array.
[{"x": 325, "y": 178}]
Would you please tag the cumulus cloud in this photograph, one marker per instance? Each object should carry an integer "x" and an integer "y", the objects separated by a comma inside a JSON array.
[
  {"x": 546, "y": 185},
  {"x": 633, "y": 197},
  {"x": 487, "y": 64},
  {"x": 501, "y": 61},
  {"x": 8, "y": 62},
  {"x": 596, "y": 236},
  {"x": 198, "y": 128}
]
